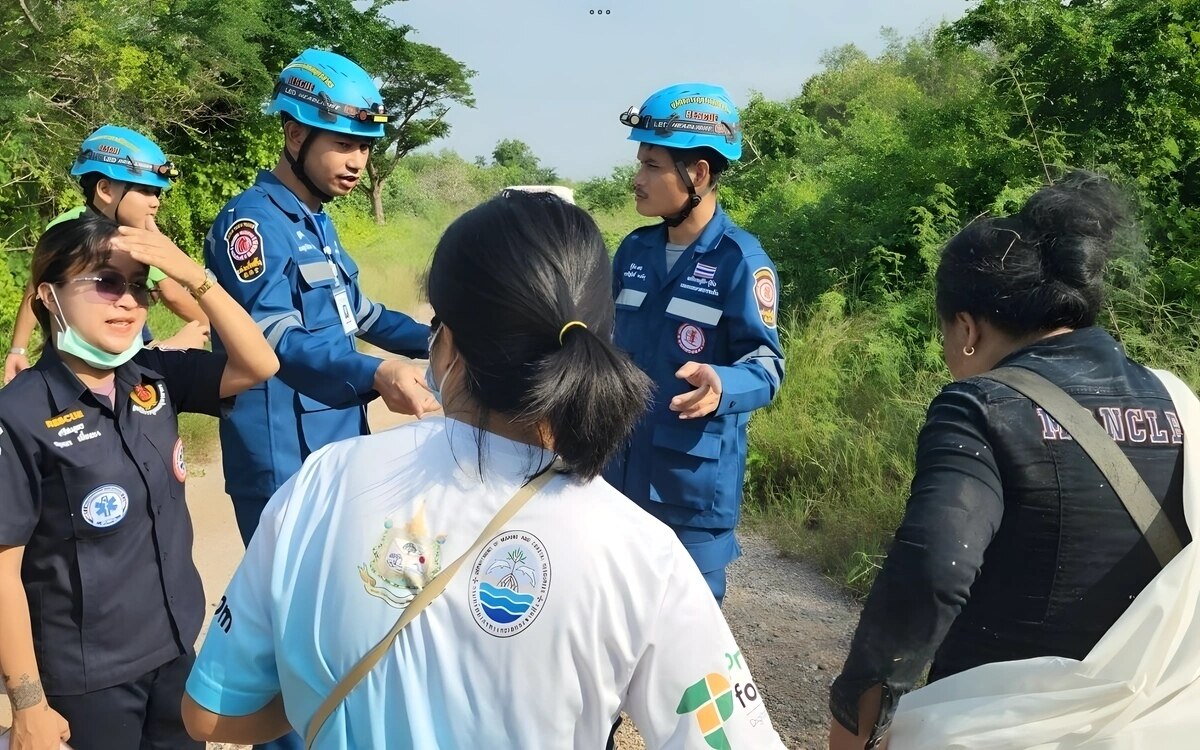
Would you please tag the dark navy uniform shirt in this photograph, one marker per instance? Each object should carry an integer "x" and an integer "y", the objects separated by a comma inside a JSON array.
[
  {"x": 1013, "y": 545},
  {"x": 95, "y": 494}
]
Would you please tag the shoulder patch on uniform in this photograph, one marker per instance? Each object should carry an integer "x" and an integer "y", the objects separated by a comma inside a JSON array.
[
  {"x": 245, "y": 245},
  {"x": 177, "y": 462},
  {"x": 766, "y": 295}
]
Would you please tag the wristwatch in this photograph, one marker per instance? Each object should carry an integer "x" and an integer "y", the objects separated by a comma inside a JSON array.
[
  {"x": 18, "y": 350},
  {"x": 210, "y": 279}
]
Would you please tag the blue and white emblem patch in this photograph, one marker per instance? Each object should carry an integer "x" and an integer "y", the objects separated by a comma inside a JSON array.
[
  {"x": 509, "y": 583},
  {"x": 105, "y": 506}
]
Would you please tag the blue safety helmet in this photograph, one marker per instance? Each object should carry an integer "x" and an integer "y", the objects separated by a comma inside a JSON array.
[
  {"x": 688, "y": 115},
  {"x": 327, "y": 91},
  {"x": 125, "y": 155}
]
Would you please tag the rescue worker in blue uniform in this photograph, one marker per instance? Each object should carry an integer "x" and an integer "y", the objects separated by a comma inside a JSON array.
[
  {"x": 697, "y": 308},
  {"x": 100, "y": 601},
  {"x": 276, "y": 251}
]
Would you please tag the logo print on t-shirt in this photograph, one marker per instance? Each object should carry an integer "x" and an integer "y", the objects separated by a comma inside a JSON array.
[
  {"x": 711, "y": 699},
  {"x": 509, "y": 583},
  {"x": 405, "y": 559}
]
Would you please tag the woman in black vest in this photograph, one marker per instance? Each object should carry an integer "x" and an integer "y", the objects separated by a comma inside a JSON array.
[{"x": 1013, "y": 545}]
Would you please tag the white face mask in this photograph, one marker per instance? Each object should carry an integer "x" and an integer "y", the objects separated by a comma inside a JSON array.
[
  {"x": 70, "y": 342},
  {"x": 434, "y": 387}
]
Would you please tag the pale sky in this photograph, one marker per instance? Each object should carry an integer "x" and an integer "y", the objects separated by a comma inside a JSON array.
[{"x": 556, "y": 76}]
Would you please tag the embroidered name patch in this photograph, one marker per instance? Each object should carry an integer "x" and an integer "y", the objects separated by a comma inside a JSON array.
[
  {"x": 105, "y": 506},
  {"x": 765, "y": 295},
  {"x": 690, "y": 338},
  {"x": 245, "y": 246},
  {"x": 509, "y": 583},
  {"x": 64, "y": 418}
]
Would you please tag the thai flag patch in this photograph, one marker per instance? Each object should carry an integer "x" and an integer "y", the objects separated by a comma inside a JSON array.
[{"x": 705, "y": 272}]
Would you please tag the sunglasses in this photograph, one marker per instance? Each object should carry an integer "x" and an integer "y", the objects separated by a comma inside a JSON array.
[{"x": 111, "y": 286}]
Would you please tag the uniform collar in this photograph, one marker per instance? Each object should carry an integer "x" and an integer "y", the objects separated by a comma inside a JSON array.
[
  {"x": 282, "y": 196},
  {"x": 66, "y": 388},
  {"x": 716, "y": 228}
]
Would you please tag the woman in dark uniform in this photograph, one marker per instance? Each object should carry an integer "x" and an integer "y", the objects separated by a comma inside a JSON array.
[
  {"x": 100, "y": 602},
  {"x": 1013, "y": 544}
]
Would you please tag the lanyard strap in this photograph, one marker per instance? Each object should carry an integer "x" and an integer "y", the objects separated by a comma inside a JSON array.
[{"x": 418, "y": 603}]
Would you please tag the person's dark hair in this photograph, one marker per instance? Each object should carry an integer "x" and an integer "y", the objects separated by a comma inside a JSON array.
[
  {"x": 1041, "y": 268},
  {"x": 506, "y": 277},
  {"x": 717, "y": 164},
  {"x": 67, "y": 248}
]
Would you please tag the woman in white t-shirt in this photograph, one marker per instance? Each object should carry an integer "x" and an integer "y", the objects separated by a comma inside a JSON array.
[{"x": 582, "y": 607}]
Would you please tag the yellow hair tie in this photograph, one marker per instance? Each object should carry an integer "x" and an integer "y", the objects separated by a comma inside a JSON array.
[{"x": 568, "y": 327}]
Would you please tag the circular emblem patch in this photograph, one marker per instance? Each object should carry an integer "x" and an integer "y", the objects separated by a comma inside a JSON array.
[
  {"x": 177, "y": 462},
  {"x": 690, "y": 338},
  {"x": 105, "y": 506},
  {"x": 148, "y": 399},
  {"x": 243, "y": 242},
  {"x": 509, "y": 583},
  {"x": 765, "y": 295}
]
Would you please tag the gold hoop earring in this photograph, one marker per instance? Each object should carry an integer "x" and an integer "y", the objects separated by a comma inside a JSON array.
[{"x": 968, "y": 351}]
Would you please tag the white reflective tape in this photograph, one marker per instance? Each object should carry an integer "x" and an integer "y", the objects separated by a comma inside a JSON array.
[
  {"x": 376, "y": 311},
  {"x": 709, "y": 316},
  {"x": 271, "y": 320},
  {"x": 276, "y": 334},
  {"x": 364, "y": 307},
  {"x": 314, "y": 273},
  {"x": 631, "y": 298},
  {"x": 762, "y": 351}
]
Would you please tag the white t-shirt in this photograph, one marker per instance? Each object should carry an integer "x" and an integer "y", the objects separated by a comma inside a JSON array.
[{"x": 584, "y": 606}]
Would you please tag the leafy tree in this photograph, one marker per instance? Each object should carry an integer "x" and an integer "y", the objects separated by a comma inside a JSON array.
[
  {"x": 607, "y": 193},
  {"x": 522, "y": 164}
]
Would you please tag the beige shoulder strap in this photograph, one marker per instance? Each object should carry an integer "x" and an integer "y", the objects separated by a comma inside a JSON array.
[
  {"x": 418, "y": 603},
  {"x": 1112, "y": 462}
]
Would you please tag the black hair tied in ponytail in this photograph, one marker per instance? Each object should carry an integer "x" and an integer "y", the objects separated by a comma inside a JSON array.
[{"x": 524, "y": 281}]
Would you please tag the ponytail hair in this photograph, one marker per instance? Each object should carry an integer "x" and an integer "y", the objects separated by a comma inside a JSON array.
[
  {"x": 513, "y": 278},
  {"x": 1042, "y": 268}
]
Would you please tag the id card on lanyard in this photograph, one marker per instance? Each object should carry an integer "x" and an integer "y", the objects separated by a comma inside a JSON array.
[{"x": 341, "y": 296}]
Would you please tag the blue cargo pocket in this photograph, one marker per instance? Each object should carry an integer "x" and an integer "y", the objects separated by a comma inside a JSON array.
[{"x": 684, "y": 468}]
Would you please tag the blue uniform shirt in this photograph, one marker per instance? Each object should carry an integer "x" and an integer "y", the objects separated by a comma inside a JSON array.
[
  {"x": 717, "y": 305},
  {"x": 286, "y": 266}
]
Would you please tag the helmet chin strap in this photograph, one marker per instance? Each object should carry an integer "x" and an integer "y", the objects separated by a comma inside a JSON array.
[
  {"x": 116, "y": 206},
  {"x": 297, "y": 164},
  {"x": 692, "y": 201}
]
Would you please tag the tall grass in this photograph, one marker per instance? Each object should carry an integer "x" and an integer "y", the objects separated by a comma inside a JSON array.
[{"x": 831, "y": 460}]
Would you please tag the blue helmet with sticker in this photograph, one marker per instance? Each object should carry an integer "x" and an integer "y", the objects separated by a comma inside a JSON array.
[
  {"x": 125, "y": 155},
  {"x": 688, "y": 115},
  {"x": 327, "y": 91}
]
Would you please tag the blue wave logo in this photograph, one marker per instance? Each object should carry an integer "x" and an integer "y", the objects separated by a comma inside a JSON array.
[{"x": 503, "y": 605}]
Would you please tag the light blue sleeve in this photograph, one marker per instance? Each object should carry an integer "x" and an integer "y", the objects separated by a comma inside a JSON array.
[{"x": 235, "y": 672}]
